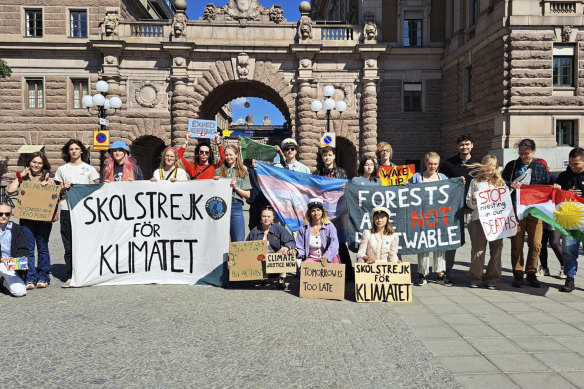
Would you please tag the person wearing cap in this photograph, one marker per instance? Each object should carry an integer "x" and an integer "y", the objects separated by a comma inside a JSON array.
[
  {"x": 75, "y": 171},
  {"x": 204, "y": 166},
  {"x": 119, "y": 166},
  {"x": 317, "y": 238},
  {"x": 171, "y": 167},
  {"x": 288, "y": 151},
  {"x": 380, "y": 243}
]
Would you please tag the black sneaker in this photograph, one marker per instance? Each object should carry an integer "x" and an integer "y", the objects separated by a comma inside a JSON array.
[
  {"x": 532, "y": 281},
  {"x": 517, "y": 282},
  {"x": 421, "y": 281},
  {"x": 568, "y": 286},
  {"x": 444, "y": 280}
]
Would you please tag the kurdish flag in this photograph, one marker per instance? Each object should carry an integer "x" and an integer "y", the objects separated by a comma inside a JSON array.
[{"x": 559, "y": 208}]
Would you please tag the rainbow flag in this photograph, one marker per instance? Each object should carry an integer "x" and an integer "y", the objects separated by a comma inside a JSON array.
[
  {"x": 289, "y": 191},
  {"x": 559, "y": 208}
]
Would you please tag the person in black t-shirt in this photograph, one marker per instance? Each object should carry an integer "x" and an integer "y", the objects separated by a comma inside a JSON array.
[{"x": 457, "y": 166}]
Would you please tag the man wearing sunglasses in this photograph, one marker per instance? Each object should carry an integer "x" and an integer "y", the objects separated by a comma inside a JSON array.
[
  {"x": 288, "y": 151},
  {"x": 13, "y": 244}
]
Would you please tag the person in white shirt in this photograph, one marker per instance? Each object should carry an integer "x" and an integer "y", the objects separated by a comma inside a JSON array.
[
  {"x": 75, "y": 171},
  {"x": 171, "y": 167},
  {"x": 380, "y": 243},
  {"x": 288, "y": 151},
  {"x": 13, "y": 244}
]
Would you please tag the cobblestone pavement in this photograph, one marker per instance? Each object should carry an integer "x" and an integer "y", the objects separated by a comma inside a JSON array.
[{"x": 184, "y": 336}]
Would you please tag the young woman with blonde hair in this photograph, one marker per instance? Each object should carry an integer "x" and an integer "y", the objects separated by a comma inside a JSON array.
[
  {"x": 234, "y": 169},
  {"x": 171, "y": 167},
  {"x": 486, "y": 176}
]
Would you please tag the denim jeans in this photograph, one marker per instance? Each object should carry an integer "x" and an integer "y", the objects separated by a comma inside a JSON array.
[
  {"x": 37, "y": 234},
  {"x": 66, "y": 237},
  {"x": 237, "y": 228},
  {"x": 570, "y": 249}
]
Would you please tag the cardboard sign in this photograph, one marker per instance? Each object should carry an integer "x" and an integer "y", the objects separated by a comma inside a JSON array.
[
  {"x": 248, "y": 260},
  {"x": 20, "y": 263},
  {"x": 280, "y": 263},
  {"x": 101, "y": 139},
  {"x": 328, "y": 139},
  {"x": 496, "y": 213},
  {"x": 387, "y": 282},
  {"x": 322, "y": 282},
  {"x": 396, "y": 175},
  {"x": 203, "y": 128},
  {"x": 36, "y": 202}
]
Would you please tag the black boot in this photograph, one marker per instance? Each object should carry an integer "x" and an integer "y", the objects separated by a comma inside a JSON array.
[
  {"x": 532, "y": 281},
  {"x": 568, "y": 286}
]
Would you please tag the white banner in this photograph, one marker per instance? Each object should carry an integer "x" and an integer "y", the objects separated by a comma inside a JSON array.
[
  {"x": 496, "y": 213},
  {"x": 146, "y": 232}
]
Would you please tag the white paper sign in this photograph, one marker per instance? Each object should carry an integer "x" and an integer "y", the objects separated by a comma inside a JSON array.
[
  {"x": 144, "y": 232},
  {"x": 496, "y": 213}
]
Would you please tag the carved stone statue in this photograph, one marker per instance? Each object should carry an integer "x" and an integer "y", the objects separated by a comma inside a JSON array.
[
  {"x": 370, "y": 32},
  {"x": 243, "y": 11},
  {"x": 566, "y": 33},
  {"x": 243, "y": 65},
  {"x": 179, "y": 25},
  {"x": 249, "y": 120},
  {"x": 305, "y": 28},
  {"x": 110, "y": 24},
  {"x": 266, "y": 121}
]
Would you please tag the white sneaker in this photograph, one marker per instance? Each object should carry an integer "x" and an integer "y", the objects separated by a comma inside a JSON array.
[
  {"x": 67, "y": 284},
  {"x": 562, "y": 275},
  {"x": 540, "y": 272}
]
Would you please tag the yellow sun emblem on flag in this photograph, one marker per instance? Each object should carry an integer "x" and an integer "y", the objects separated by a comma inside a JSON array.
[{"x": 570, "y": 215}]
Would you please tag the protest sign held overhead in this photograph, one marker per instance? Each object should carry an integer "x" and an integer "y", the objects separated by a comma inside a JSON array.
[
  {"x": 248, "y": 260},
  {"x": 203, "y": 128},
  {"x": 143, "y": 232},
  {"x": 387, "y": 282},
  {"x": 36, "y": 202},
  {"x": 280, "y": 263},
  {"x": 426, "y": 217},
  {"x": 396, "y": 175},
  {"x": 496, "y": 213},
  {"x": 322, "y": 282}
]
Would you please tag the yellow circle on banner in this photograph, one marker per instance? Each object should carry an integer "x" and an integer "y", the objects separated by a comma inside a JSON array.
[{"x": 570, "y": 215}]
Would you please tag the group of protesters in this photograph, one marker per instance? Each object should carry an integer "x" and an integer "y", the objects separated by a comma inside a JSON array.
[{"x": 317, "y": 240}]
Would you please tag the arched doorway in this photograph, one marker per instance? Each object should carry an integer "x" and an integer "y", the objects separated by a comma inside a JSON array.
[
  {"x": 346, "y": 156},
  {"x": 146, "y": 150}
]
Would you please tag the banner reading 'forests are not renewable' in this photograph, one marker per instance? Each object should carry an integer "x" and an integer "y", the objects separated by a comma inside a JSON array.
[
  {"x": 146, "y": 232},
  {"x": 426, "y": 217}
]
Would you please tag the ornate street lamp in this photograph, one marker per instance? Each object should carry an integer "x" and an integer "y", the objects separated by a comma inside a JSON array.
[
  {"x": 328, "y": 105},
  {"x": 103, "y": 104}
]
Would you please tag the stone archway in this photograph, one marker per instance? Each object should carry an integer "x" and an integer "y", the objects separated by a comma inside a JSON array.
[{"x": 146, "y": 150}]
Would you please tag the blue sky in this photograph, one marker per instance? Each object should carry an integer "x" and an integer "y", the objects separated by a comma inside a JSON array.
[{"x": 258, "y": 107}]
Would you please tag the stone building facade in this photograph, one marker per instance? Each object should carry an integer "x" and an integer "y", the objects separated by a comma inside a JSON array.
[{"x": 415, "y": 73}]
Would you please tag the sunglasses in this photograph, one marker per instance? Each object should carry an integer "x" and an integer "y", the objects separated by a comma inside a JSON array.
[
  {"x": 289, "y": 148},
  {"x": 203, "y": 152},
  {"x": 7, "y": 214}
]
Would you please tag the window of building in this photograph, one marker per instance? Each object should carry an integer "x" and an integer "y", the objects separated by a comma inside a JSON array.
[
  {"x": 468, "y": 84},
  {"x": 473, "y": 12},
  {"x": 412, "y": 97},
  {"x": 413, "y": 32},
  {"x": 565, "y": 133},
  {"x": 563, "y": 66},
  {"x": 33, "y": 21},
  {"x": 80, "y": 89},
  {"x": 35, "y": 93},
  {"x": 78, "y": 24}
]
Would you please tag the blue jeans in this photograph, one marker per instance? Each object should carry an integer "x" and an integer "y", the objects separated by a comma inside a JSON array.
[
  {"x": 570, "y": 249},
  {"x": 37, "y": 234},
  {"x": 237, "y": 228}
]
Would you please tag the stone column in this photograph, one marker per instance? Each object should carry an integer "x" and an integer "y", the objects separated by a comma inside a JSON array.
[
  {"x": 368, "y": 143},
  {"x": 308, "y": 139}
]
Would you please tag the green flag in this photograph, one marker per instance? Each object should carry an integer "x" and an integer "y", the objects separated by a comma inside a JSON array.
[{"x": 251, "y": 149}]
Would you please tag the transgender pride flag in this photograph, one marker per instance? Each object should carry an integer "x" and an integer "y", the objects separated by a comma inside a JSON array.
[{"x": 289, "y": 191}]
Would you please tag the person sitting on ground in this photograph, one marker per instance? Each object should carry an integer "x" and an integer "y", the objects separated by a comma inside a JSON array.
[
  {"x": 13, "y": 244},
  {"x": 486, "y": 176},
  {"x": 204, "y": 166},
  {"x": 380, "y": 243},
  {"x": 317, "y": 238},
  {"x": 119, "y": 166},
  {"x": 37, "y": 232},
  {"x": 171, "y": 167},
  {"x": 288, "y": 154},
  {"x": 278, "y": 238},
  {"x": 367, "y": 172},
  {"x": 431, "y": 174}
]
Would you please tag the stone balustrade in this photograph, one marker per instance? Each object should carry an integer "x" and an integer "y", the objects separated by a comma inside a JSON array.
[{"x": 563, "y": 7}]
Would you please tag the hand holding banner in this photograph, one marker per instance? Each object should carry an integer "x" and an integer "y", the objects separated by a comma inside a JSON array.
[
  {"x": 496, "y": 213},
  {"x": 396, "y": 175},
  {"x": 203, "y": 128}
]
